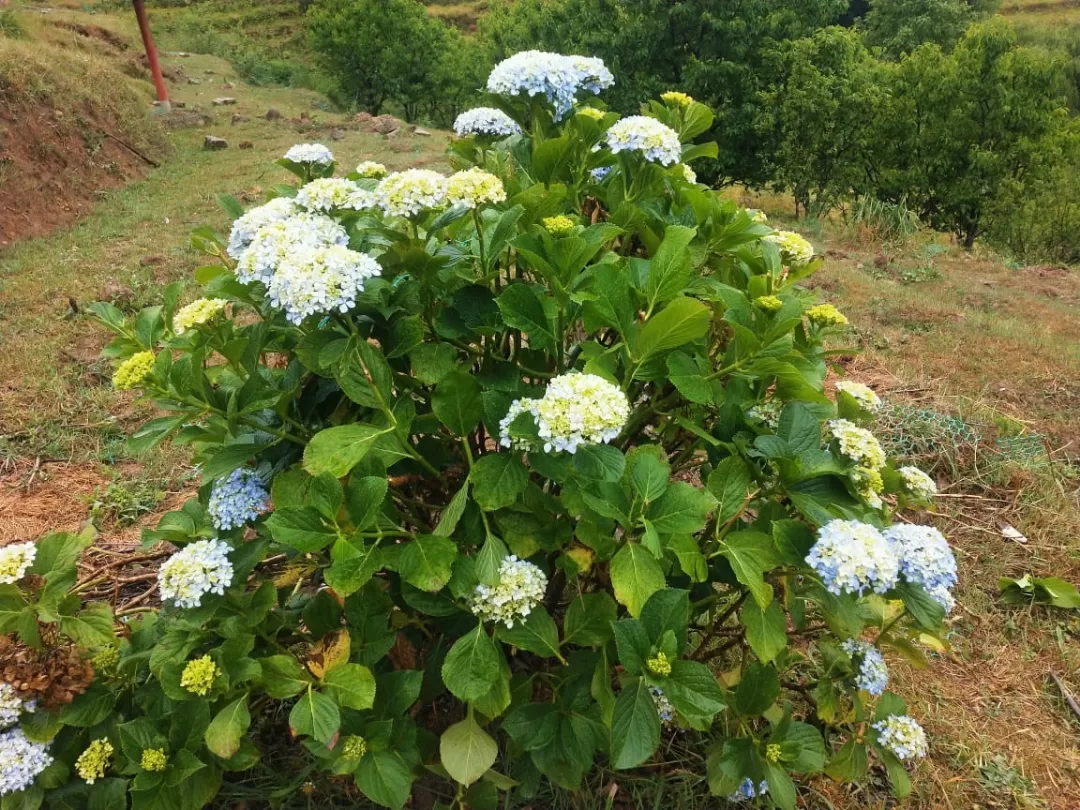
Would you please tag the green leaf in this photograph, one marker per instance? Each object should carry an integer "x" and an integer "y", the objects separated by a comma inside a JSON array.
[
  {"x": 433, "y": 361},
  {"x": 599, "y": 462},
  {"x": 693, "y": 690},
  {"x": 635, "y": 726},
  {"x": 89, "y": 708},
  {"x": 364, "y": 375},
  {"x": 667, "y": 609},
  {"x": 523, "y": 309},
  {"x": 849, "y": 764},
  {"x": 351, "y": 685},
  {"x": 802, "y": 749},
  {"x": 467, "y": 751},
  {"x": 758, "y": 689},
  {"x": 927, "y": 611},
  {"x": 283, "y": 677},
  {"x": 589, "y": 618},
  {"x": 364, "y": 497},
  {"x": 305, "y": 529},
  {"x": 632, "y": 645},
  {"x": 354, "y": 564},
  {"x": 691, "y": 560},
  {"x": 228, "y": 726},
  {"x": 385, "y": 778},
  {"x": 472, "y": 665},
  {"x": 337, "y": 450},
  {"x": 751, "y": 554},
  {"x": 799, "y": 427},
  {"x": 537, "y": 634},
  {"x": 682, "y": 321},
  {"x": 315, "y": 715},
  {"x": 688, "y": 376},
  {"x": 450, "y": 516},
  {"x": 427, "y": 561},
  {"x": 766, "y": 630},
  {"x": 498, "y": 479},
  {"x": 92, "y": 626},
  {"x": 781, "y": 788},
  {"x": 457, "y": 402},
  {"x": 635, "y": 575},
  {"x": 682, "y": 509},
  {"x": 670, "y": 268},
  {"x": 648, "y": 473},
  {"x": 730, "y": 484}
]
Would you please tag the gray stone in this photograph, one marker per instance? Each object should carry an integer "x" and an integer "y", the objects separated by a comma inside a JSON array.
[
  {"x": 213, "y": 142},
  {"x": 337, "y": 134},
  {"x": 223, "y": 101},
  {"x": 239, "y": 119},
  {"x": 272, "y": 115}
]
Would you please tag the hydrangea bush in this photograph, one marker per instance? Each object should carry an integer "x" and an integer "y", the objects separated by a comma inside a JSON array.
[{"x": 510, "y": 474}]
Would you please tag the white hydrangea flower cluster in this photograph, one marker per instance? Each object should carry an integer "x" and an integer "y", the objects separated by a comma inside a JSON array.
[
  {"x": 917, "y": 484},
  {"x": 11, "y": 705},
  {"x": 15, "y": 561},
  {"x": 863, "y": 395},
  {"x": 320, "y": 280},
  {"x": 278, "y": 241},
  {"x": 485, "y": 121},
  {"x": 520, "y": 588},
  {"x": 857, "y": 444},
  {"x": 854, "y": 557},
  {"x": 196, "y": 570},
  {"x": 407, "y": 193},
  {"x": 246, "y": 226},
  {"x": 902, "y": 735},
  {"x": 371, "y": 169},
  {"x": 20, "y": 761},
  {"x": 474, "y": 187},
  {"x": 327, "y": 193},
  {"x": 310, "y": 153},
  {"x": 575, "y": 409},
  {"x": 663, "y": 705},
  {"x": 198, "y": 312},
  {"x": 795, "y": 251},
  {"x": 689, "y": 175},
  {"x": 925, "y": 556},
  {"x": 657, "y": 142},
  {"x": 556, "y": 77},
  {"x": 873, "y": 674}
]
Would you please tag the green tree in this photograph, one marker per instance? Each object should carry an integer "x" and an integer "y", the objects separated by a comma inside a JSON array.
[
  {"x": 965, "y": 127},
  {"x": 900, "y": 26},
  {"x": 383, "y": 50},
  {"x": 823, "y": 111}
]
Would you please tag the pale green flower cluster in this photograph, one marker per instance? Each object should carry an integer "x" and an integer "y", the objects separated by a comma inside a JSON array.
[
  {"x": 575, "y": 409},
  {"x": 826, "y": 315},
  {"x": 689, "y": 175},
  {"x": 520, "y": 588},
  {"x": 591, "y": 112},
  {"x": 659, "y": 666},
  {"x": 92, "y": 762},
  {"x": 677, "y": 99},
  {"x": 407, "y": 193},
  {"x": 768, "y": 303},
  {"x": 133, "y": 370},
  {"x": 474, "y": 187},
  {"x": 154, "y": 760},
  {"x": 917, "y": 484},
  {"x": 857, "y": 444},
  {"x": 198, "y": 313},
  {"x": 795, "y": 251},
  {"x": 199, "y": 675},
  {"x": 863, "y": 395},
  {"x": 371, "y": 169},
  {"x": 869, "y": 483},
  {"x": 15, "y": 561},
  {"x": 327, "y": 193},
  {"x": 353, "y": 748},
  {"x": 558, "y": 226}
]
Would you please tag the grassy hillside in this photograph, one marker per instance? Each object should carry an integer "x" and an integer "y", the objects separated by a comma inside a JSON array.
[{"x": 979, "y": 361}]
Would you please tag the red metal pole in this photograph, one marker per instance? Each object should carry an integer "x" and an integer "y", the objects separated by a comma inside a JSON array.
[{"x": 151, "y": 54}]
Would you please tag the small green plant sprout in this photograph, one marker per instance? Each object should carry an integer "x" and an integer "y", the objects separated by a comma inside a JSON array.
[
  {"x": 1052, "y": 591},
  {"x": 500, "y": 469}
]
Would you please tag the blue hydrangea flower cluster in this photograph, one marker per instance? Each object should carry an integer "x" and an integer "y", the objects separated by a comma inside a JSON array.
[
  {"x": 854, "y": 557},
  {"x": 656, "y": 142},
  {"x": 873, "y": 674},
  {"x": 237, "y": 499},
  {"x": 925, "y": 556},
  {"x": 20, "y": 761},
  {"x": 600, "y": 173},
  {"x": 485, "y": 121},
  {"x": 663, "y": 705},
  {"x": 557, "y": 77},
  {"x": 748, "y": 790}
]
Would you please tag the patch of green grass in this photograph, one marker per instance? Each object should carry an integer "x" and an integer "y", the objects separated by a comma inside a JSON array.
[{"x": 123, "y": 501}]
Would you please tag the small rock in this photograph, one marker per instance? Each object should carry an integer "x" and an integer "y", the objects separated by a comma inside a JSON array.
[
  {"x": 239, "y": 119},
  {"x": 363, "y": 119},
  {"x": 208, "y": 72},
  {"x": 212, "y": 142},
  {"x": 272, "y": 115},
  {"x": 115, "y": 293},
  {"x": 193, "y": 80},
  {"x": 337, "y": 134},
  {"x": 150, "y": 261},
  {"x": 223, "y": 101},
  {"x": 179, "y": 105},
  {"x": 421, "y": 131},
  {"x": 246, "y": 145},
  {"x": 385, "y": 124},
  {"x": 228, "y": 85}
]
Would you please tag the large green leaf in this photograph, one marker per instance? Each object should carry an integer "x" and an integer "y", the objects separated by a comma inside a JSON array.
[
  {"x": 283, "y": 677},
  {"x": 472, "y": 665},
  {"x": 498, "y": 479},
  {"x": 351, "y": 685},
  {"x": 467, "y": 751},
  {"x": 648, "y": 473},
  {"x": 227, "y": 727},
  {"x": 667, "y": 609},
  {"x": 635, "y": 575},
  {"x": 682, "y": 321},
  {"x": 670, "y": 267},
  {"x": 588, "y": 619},
  {"x": 599, "y": 462},
  {"x": 635, "y": 726},
  {"x": 385, "y": 778},
  {"x": 457, "y": 402},
  {"x": 693, "y": 690},
  {"x": 427, "y": 561},
  {"x": 522, "y": 308},
  {"x": 305, "y": 529},
  {"x": 337, "y": 450},
  {"x": 364, "y": 498},
  {"x": 751, "y": 554},
  {"x": 758, "y": 689},
  {"x": 730, "y": 484},
  {"x": 315, "y": 715},
  {"x": 765, "y": 629},
  {"x": 537, "y": 634},
  {"x": 682, "y": 509}
]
